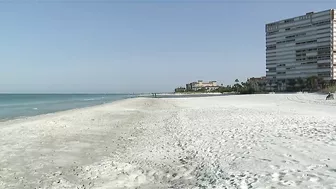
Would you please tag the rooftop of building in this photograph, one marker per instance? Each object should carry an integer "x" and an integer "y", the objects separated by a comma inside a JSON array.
[
  {"x": 256, "y": 78},
  {"x": 201, "y": 81},
  {"x": 308, "y": 13}
]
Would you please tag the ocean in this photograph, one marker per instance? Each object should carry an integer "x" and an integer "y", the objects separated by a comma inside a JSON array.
[{"x": 24, "y": 105}]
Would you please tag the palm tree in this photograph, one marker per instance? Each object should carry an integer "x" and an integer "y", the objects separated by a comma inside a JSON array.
[
  {"x": 301, "y": 83},
  {"x": 291, "y": 83},
  {"x": 312, "y": 83},
  {"x": 270, "y": 84},
  {"x": 315, "y": 82},
  {"x": 321, "y": 82},
  {"x": 260, "y": 86},
  {"x": 237, "y": 84},
  {"x": 279, "y": 85}
]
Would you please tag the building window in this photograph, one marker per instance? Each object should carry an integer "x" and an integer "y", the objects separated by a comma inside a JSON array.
[
  {"x": 325, "y": 65},
  {"x": 300, "y": 59},
  {"x": 272, "y": 33},
  {"x": 311, "y": 62},
  {"x": 322, "y": 23},
  {"x": 304, "y": 26},
  {"x": 270, "y": 47},
  {"x": 286, "y": 41},
  {"x": 296, "y": 35},
  {"x": 312, "y": 58},
  {"x": 324, "y": 74},
  {"x": 323, "y": 58},
  {"x": 306, "y": 50},
  {"x": 323, "y": 52},
  {"x": 289, "y": 20},
  {"x": 306, "y": 42}
]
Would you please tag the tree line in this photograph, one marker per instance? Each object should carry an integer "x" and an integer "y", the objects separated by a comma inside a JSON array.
[
  {"x": 310, "y": 84},
  {"x": 251, "y": 86},
  {"x": 246, "y": 87}
]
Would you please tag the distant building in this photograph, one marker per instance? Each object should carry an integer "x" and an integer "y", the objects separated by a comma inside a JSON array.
[
  {"x": 195, "y": 86},
  {"x": 301, "y": 47}
]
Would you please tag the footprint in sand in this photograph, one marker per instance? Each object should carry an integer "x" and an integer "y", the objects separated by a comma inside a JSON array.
[
  {"x": 313, "y": 178},
  {"x": 288, "y": 183},
  {"x": 276, "y": 177},
  {"x": 316, "y": 166},
  {"x": 268, "y": 160},
  {"x": 281, "y": 178},
  {"x": 287, "y": 155},
  {"x": 332, "y": 170},
  {"x": 275, "y": 167}
]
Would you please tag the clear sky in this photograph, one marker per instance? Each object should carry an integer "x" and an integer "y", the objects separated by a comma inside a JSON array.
[{"x": 135, "y": 46}]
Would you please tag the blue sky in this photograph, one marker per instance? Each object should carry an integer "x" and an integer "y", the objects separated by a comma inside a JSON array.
[{"x": 135, "y": 46}]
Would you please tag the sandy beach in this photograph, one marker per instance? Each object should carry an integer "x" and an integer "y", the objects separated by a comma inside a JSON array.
[{"x": 247, "y": 141}]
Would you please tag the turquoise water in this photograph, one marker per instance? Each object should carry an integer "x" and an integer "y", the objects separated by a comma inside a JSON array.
[{"x": 24, "y": 105}]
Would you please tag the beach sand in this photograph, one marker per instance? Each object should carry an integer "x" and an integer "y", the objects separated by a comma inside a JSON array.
[{"x": 247, "y": 141}]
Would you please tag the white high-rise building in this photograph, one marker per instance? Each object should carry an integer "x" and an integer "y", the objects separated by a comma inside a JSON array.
[{"x": 301, "y": 47}]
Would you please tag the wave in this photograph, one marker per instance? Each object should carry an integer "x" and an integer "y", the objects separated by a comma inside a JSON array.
[
  {"x": 13, "y": 108},
  {"x": 51, "y": 102},
  {"x": 88, "y": 99},
  {"x": 91, "y": 99}
]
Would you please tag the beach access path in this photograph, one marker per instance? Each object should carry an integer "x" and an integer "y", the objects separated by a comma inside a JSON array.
[{"x": 243, "y": 141}]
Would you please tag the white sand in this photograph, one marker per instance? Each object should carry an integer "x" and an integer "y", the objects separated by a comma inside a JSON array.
[{"x": 254, "y": 141}]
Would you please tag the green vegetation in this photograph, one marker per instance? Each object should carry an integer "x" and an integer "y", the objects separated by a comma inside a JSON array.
[
  {"x": 310, "y": 84},
  {"x": 180, "y": 90},
  {"x": 241, "y": 88},
  {"x": 252, "y": 86},
  {"x": 328, "y": 89}
]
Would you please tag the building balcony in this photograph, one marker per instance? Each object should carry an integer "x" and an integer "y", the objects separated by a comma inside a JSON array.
[
  {"x": 323, "y": 61},
  {"x": 270, "y": 73},
  {"x": 271, "y": 66}
]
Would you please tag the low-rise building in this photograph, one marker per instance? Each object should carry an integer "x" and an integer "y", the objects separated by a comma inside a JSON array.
[{"x": 200, "y": 84}]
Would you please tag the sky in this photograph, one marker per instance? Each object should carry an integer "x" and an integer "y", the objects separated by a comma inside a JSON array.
[{"x": 135, "y": 46}]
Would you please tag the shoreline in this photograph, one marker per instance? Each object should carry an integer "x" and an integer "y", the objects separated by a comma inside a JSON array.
[
  {"x": 59, "y": 111},
  {"x": 34, "y": 117},
  {"x": 61, "y": 140}
]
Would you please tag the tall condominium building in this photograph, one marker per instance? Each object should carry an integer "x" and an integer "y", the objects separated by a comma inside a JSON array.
[{"x": 302, "y": 46}]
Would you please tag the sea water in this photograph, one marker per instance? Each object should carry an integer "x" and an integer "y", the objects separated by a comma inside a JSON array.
[{"x": 24, "y": 105}]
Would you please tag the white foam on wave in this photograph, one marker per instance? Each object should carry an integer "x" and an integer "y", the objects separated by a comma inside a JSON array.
[{"x": 91, "y": 99}]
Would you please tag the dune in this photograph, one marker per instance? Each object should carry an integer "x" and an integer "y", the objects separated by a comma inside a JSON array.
[{"x": 244, "y": 141}]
